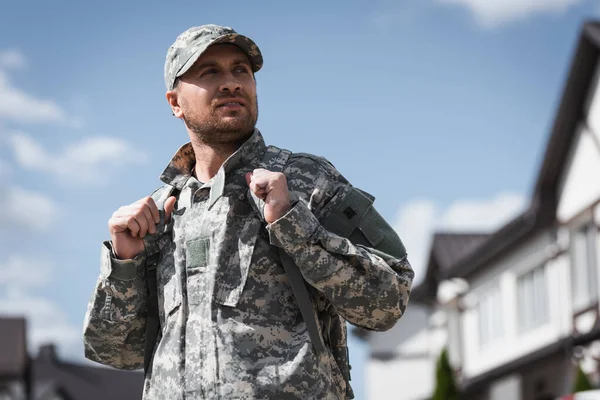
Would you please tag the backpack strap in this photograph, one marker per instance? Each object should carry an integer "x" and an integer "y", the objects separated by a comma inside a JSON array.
[
  {"x": 275, "y": 160},
  {"x": 153, "y": 255},
  {"x": 304, "y": 301}
]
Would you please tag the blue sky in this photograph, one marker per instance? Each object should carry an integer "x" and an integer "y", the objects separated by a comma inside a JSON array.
[{"x": 439, "y": 108}]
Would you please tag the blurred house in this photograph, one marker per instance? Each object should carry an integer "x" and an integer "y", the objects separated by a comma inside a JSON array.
[
  {"x": 517, "y": 308},
  {"x": 402, "y": 360},
  {"x": 46, "y": 377}
]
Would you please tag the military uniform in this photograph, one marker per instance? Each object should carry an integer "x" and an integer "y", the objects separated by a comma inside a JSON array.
[{"x": 230, "y": 325}]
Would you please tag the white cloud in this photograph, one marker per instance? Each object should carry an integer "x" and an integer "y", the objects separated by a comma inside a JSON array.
[
  {"x": 393, "y": 13},
  {"x": 19, "y": 106},
  {"x": 20, "y": 271},
  {"x": 22, "y": 209},
  {"x": 86, "y": 161},
  {"x": 5, "y": 169},
  {"x": 417, "y": 221},
  {"x": 46, "y": 320},
  {"x": 482, "y": 215},
  {"x": 12, "y": 59},
  {"x": 492, "y": 13}
]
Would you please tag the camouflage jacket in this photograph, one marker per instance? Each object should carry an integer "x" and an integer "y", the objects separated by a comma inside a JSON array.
[{"x": 230, "y": 326}]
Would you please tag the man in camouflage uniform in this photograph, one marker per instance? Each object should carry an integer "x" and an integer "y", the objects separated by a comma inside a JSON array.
[{"x": 230, "y": 325}]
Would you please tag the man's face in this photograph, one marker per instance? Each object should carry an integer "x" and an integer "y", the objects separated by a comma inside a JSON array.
[{"x": 217, "y": 96}]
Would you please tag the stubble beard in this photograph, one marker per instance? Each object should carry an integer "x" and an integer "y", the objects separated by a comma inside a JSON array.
[{"x": 214, "y": 130}]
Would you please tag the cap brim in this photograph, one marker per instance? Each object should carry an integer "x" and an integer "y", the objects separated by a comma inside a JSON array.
[{"x": 243, "y": 42}]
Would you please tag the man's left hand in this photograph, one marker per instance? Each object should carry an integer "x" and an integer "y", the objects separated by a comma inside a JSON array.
[{"x": 270, "y": 187}]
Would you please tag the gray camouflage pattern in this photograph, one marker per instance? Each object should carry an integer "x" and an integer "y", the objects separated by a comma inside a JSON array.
[
  {"x": 190, "y": 45},
  {"x": 231, "y": 327}
]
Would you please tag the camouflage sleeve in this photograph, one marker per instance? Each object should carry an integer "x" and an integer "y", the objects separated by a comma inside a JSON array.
[
  {"x": 115, "y": 323},
  {"x": 370, "y": 289}
]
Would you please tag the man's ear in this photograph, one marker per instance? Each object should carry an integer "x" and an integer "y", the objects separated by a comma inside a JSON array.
[{"x": 173, "y": 99}]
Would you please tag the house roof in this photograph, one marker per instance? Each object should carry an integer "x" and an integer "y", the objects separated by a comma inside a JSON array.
[
  {"x": 447, "y": 248},
  {"x": 13, "y": 348},
  {"x": 77, "y": 381},
  {"x": 542, "y": 209}
]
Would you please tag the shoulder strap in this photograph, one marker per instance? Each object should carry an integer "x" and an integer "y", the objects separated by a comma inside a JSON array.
[
  {"x": 152, "y": 249},
  {"x": 275, "y": 159},
  {"x": 304, "y": 301}
]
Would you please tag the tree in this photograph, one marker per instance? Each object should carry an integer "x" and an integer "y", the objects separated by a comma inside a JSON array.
[
  {"x": 582, "y": 383},
  {"x": 445, "y": 386}
]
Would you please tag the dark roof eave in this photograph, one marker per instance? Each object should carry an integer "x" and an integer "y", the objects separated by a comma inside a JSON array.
[
  {"x": 424, "y": 293},
  {"x": 585, "y": 338},
  {"x": 516, "y": 230},
  {"x": 581, "y": 72}
]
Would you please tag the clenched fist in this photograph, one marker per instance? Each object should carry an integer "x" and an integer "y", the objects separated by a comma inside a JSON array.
[
  {"x": 270, "y": 187},
  {"x": 129, "y": 225}
]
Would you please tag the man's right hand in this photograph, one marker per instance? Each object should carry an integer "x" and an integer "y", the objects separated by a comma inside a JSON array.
[{"x": 130, "y": 224}]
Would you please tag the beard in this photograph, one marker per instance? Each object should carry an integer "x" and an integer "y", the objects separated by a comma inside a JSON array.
[{"x": 214, "y": 127}]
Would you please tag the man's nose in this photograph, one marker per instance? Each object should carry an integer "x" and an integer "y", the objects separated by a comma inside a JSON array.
[{"x": 230, "y": 84}]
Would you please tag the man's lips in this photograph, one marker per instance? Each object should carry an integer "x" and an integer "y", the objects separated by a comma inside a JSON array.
[{"x": 231, "y": 103}]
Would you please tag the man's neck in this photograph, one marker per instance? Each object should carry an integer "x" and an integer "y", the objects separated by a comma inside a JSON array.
[{"x": 210, "y": 157}]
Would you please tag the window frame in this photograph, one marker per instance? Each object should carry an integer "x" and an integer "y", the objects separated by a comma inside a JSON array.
[
  {"x": 532, "y": 299},
  {"x": 590, "y": 279}
]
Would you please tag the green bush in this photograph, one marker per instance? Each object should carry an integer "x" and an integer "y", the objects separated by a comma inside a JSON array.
[
  {"x": 445, "y": 386},
  {"x": 582, "y": 383}
]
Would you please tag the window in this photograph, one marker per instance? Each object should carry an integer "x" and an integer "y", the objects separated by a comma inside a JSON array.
[
  {"x": 583, "y": 258},
  {"x": 532, "y": 299},
  {"x": 489, "y": 311}
]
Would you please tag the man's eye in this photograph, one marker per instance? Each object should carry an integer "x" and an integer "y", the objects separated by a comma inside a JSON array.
[
  {"x": 210, "y": 71},
  {"x": 241, "y": 69}
]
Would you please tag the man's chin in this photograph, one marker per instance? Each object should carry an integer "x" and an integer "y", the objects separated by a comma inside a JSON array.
[{"x": 235, "y": 124}]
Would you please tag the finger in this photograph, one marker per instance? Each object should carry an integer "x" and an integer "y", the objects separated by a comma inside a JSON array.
[
  {"x": 248, "y": 178},
  {"x": 258, "y": 191},
  {"x": 133, "y": 226},
  {"x": 153, "y": 210},
  {"x": 261, "y": 193},
  {"x": 259, "y": 181},
  {"x": 261, "y": 175},
  {"x": 150, "y": 221},
  {"x": 118, "y": 223},
  {"x": 140, "y": 218},
  {"x": 169, "y": 207}
]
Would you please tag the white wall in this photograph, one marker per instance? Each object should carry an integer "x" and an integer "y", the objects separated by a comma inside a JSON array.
[
  {"x": 411, "y": 375},
  {"x": 401, "y": 379},
  {"x": 580, "y": 187},
  {"x": 514, "y": 344},
  {"x": 593, "y": 106}
]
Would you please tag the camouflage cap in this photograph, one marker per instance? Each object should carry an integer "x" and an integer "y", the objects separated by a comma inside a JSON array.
[{"x": 192, "y": 43}]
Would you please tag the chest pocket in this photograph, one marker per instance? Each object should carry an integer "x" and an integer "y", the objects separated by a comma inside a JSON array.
[
  {"x": 233, "y": 248},
  {"x": 169, "y": 284}
]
